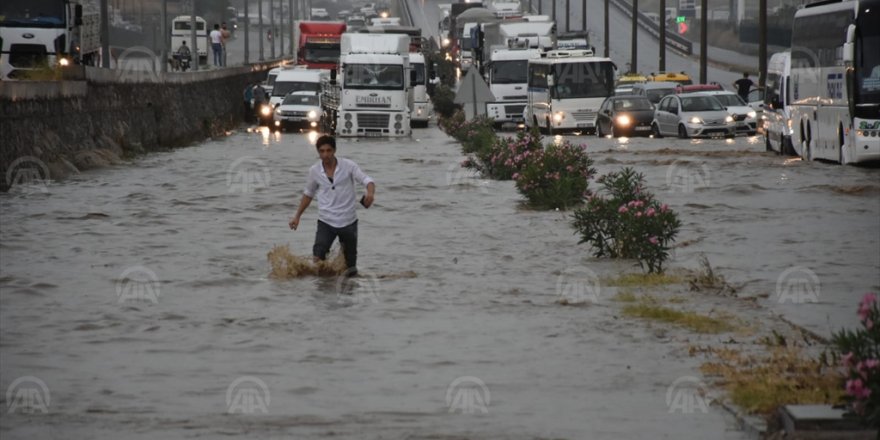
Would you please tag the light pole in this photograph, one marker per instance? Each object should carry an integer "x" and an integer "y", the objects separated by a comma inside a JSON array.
[
  {"x": 247, "y": 46},
  {"x": 662, "y": 55},
  {"x": 260, "y": 28},
  {"x": 634, "y": 57},
  {"x": 704, "y": 49}
]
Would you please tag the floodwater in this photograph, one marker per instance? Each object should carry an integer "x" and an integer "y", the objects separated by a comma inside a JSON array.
[{"x": 136, "y": 302}]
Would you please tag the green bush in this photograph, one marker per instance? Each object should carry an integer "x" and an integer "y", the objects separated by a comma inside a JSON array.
[
  {"x": 506, "y": 156},
  {"x": 627, "y": 222},
  {"x": 555, "y": 177},
  {"x": 443, "y": 101}
]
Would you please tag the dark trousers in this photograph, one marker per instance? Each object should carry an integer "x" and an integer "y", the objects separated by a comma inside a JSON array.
[{"x": 348, "y": 238}]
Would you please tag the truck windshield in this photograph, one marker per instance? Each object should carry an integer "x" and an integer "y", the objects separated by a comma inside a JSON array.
[
  {"x": 583, "y": 80},
  {"x": 282, "y": 88},
  {"x": 321, "y": 52},
  {"x": 374, "y": 76},
  {"x": 510, "y": 72},
  {"x": 419, "y": 68},
  {"x": 32, "y": 13}
]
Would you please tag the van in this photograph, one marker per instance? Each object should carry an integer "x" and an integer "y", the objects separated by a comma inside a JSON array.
[
  {"x": 776, "y": 114},
  {"x": 296, "y": 80},
  {"x": 654, "y": 90}
]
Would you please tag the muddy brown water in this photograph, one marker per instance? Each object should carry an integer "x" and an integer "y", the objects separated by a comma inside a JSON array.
[{"x": 139, "y": 295}]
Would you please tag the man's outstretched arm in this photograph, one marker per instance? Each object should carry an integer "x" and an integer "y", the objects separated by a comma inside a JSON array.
[{"x": 303, "y": 204}]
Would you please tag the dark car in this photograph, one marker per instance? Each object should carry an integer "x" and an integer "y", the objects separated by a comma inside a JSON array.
[{"x": 625, "y": 116}]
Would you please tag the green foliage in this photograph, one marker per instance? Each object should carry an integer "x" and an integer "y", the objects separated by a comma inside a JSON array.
[
  {"x": 859, "y": 352},
  {"x": 627, "y": 222},
  {"x": 556, "y": 177},
  {"x": 506, "y": 156},
  {"x": 443, "y": 102}
]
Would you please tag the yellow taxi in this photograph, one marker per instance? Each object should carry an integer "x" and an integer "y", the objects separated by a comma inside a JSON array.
[{"x": 679, "y": 77}]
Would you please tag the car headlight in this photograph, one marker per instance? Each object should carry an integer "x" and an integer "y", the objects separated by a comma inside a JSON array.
[
  {"x": 558, "y": 116},
  {"x": 728, "y": 119},
  {"x": 445, "y": 42},
  {"x": 623, "y": 120},
  {"x": 696, "y": 120},
  {"x": 752, "y": 114},
  {"x": 348, "y": 124},
  {"x": 265, "y": 110},
  {"x": 860, "y": 133},
  {"x": 312, "y": 114},
  {"x": 277, "y": 111},
  {"x": 398, "y": 117},
  {"x": 64, "y": 62},
  {"x": 347, "y": 116}
]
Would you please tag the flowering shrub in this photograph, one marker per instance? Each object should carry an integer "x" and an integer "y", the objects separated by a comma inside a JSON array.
[
  {"x": 476, "y": 135},
  {"x": 627, "y": 222},
  {"x": 556, "y": 177},
  {"x": 860, "y": 356},
  {"x": 506, "y": 156}
]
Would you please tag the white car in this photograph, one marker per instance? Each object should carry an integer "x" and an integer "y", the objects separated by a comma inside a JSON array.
[
  {"x": 746, "y": 117},
  {"x": 691, "y": 115},
  {"x": 300, "y": 110}
]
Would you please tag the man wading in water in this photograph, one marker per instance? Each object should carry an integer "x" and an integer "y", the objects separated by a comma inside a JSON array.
[{"x": 332, "y": 181}]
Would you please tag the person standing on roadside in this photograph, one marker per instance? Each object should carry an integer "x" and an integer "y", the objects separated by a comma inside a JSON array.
[
  {"x": 743, "y": 86},
  {"x": 224, "y": 32},
  {"x": 217, "y": 45},
  {"x": 332, "y": 181}
]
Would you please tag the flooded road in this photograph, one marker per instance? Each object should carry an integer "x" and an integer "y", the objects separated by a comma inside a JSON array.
[{"x": 135, "y": 300}]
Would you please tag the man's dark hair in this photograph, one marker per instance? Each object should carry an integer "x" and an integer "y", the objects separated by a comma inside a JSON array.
[
  {"x": 745, "y": 74},
  {"x": 216, "y": 26},
  {"x": 326, "y": 140}
]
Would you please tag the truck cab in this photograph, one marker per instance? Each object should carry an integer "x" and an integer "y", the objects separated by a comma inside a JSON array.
[{"x": 507, "y": 73}]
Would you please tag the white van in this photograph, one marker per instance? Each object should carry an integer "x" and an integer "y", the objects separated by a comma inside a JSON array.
[
  {"x": 296, "y": 80},
  {"x": 776, "y": 115}
]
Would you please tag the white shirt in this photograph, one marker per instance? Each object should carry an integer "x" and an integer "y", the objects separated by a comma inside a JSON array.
[
  {"x": 336, "y": 200},
  {"x": 216, "y": 37}
]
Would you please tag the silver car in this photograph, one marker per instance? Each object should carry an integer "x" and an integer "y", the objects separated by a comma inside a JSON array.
[{"x": 692, "y": 115}]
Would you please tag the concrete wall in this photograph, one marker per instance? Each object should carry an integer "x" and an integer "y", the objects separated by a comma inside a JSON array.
[{"x": 99, "y": 116}]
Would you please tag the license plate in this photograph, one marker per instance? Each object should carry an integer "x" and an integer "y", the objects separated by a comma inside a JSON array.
[
  {"x": 643, "y": 128},
  {"x": 584, "y": 124}
]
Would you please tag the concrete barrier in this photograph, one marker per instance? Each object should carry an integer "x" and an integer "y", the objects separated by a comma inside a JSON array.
[{"x": 98, "y": 116}]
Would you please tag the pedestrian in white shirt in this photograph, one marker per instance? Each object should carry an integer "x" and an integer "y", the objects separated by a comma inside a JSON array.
[
  {"x": 217, "y": 45},
  {"x": 332, "y": 181}
]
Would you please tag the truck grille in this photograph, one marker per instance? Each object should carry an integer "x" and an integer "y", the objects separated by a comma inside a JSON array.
[
  {"x": 514, "y": 110},
  {"x": 584, "y": 115},
  {"x": 373, "y": 120}
]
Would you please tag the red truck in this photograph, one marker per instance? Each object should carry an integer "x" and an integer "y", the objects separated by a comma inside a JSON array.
[{"x": 318, "y": 46}]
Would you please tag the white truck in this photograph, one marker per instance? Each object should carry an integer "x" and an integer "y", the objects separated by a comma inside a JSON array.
[
  {"x": 370, "y": 95},
  {"x": 422, "y": 110},
  {"x": 44, "y": 34},
  {"x": 507, "y": 73}
]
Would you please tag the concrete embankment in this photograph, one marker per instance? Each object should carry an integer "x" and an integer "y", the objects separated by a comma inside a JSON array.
[{"x": 97, "y": 116}]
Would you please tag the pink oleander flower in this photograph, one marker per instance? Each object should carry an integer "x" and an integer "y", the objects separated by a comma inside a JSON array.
[
  {"x": 622, "y": 209},
  {"x": 650, "y": 212},
  {"x": 847, "y": 359},
  {"x": 515, "y": 176},
  {"x": 638, "y": 214},
  {"x": 653, "y": 240},
  {"x": 857, "y": 389},
  {"x": 664, "y": 207}
]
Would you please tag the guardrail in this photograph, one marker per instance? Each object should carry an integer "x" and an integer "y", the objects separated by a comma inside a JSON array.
[{"x": 673, "y": 40}]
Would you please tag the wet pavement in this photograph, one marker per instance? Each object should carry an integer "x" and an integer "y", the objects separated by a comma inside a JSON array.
[{"x": 135, "y": 300}]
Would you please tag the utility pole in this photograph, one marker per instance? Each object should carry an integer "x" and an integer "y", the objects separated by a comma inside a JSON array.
[
  {"x": 567, "y": 15},
  {"x": 704, "y": 46},
  {"x": 292, "y": 31},
  {"x": 281, "y": 27},
  {"x": 553, "y": 13},
  {"x": 194, "y": 43},
  {"x": 662, "y": 54},
  {"x": 247, "y": 46},
  {"x": 540, "y": 7},
  {"x": 105, "y": 35},
  {"x": 762, "y": 48},
  {"x": 163, "y": 49},
  {"x": 634, "y": 57},
  {"x": 607, "y": 39},
  {"x": 584, "y": 15},
  {"x": 260, "y": 31},
  {"x": 272, "y": 29}
]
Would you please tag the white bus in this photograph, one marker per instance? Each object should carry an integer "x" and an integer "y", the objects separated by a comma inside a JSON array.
[
  {"x": 835, "y": 74},
  {"x": 181, "y": 30},
  {"x": 566, "y": 90},
  {"x": 776, "y": 114}
]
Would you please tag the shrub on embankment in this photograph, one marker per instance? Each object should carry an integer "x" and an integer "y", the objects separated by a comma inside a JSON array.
[{"x": 72, "y": 125}]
